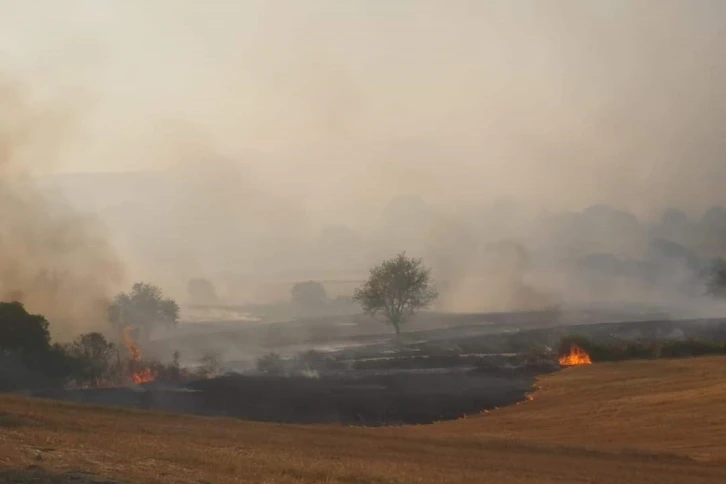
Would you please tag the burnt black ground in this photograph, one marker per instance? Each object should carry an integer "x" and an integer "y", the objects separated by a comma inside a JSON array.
[
  {"x": 393, "y": 399},
  {"x": 419, "y": 378}
]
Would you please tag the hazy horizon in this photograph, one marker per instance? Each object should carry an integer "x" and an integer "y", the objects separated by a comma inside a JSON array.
[{"x": 270, "y": 124}]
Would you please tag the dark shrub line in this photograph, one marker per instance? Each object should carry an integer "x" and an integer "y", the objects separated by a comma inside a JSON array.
[{"x": 630, "y": 350}]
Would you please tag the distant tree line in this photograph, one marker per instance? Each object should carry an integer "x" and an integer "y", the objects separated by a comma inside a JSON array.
[{"x": 29, "y": 359}]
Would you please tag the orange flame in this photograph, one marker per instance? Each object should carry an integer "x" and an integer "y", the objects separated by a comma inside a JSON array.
[
  {"x": 576, "y": 356},
  {"x": 130, "y": 344},
  {"x": 143, "y": 375}
]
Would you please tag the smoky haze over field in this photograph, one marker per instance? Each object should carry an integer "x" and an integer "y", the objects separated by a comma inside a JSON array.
[
  {"x": 248, "y": 141},
  {"x": 52, "y": 259}
]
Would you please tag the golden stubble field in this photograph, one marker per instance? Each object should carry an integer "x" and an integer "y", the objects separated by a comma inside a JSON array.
[{"x": 634, "y": 422}]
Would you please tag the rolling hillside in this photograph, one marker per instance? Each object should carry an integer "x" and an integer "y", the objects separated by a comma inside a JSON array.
[{"x": 640, "y": 422}]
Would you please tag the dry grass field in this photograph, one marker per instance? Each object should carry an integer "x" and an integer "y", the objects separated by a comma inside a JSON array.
[{"x": 635, "y": 422}]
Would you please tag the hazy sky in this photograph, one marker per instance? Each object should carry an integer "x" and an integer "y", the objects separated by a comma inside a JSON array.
[
  {"x": 564, "y": 102},
  {"x": 323, "y": 110}
]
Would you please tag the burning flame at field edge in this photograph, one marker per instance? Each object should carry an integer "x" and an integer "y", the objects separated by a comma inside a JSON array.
[{"x": 576, "y": 356}]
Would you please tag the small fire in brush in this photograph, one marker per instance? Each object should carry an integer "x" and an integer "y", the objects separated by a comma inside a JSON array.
[{"x": 139, "y": 374}]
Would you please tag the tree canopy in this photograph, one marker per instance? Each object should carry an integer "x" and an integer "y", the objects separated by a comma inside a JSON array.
[
  {"x": 145, "y": 307},
  {"x": 716, "y": 279},
  {"x": 26, "y": 355},
  {"x": 201, "y": 291},
  {"x": 310, "y": 295},
  {"x": 396, "y": 289},
  {"x": 93, "y": 358},
  {"x": 21, "y": 331}
]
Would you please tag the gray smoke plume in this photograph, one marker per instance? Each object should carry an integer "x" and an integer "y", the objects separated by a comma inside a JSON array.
[
  {"x": 326, "y": 111},
  {"x": 54, "y": 260}
]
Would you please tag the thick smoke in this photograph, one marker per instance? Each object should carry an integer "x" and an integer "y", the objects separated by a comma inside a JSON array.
[
  {"x": 53, "y": 259},
  {"x": 541, "y": 141}
]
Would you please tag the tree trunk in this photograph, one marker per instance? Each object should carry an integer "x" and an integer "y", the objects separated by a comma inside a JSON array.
[{"x": 397, "y": 327}]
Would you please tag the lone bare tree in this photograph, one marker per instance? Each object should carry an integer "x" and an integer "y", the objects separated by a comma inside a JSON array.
[{"x": 397, "y": 288}]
